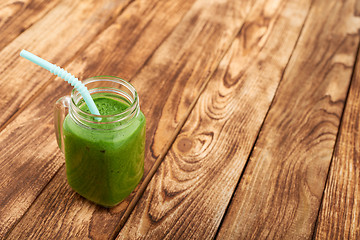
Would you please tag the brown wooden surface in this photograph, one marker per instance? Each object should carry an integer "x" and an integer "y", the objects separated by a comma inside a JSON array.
[
  {"x": 244, "y": 103},
  {"x": 280, "y": 192},
  {"x": 17, "y": 16},
  {"x": 340, "y": 213}
]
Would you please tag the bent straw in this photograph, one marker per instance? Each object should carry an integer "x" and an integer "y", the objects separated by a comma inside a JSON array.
[{"x": 64, "y": 75}]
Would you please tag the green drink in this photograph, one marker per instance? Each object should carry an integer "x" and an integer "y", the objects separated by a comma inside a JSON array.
[{"x": 104, "y": 156}]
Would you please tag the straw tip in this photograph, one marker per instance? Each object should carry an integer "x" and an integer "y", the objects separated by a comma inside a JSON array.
[{"x": 23, "y": 52}]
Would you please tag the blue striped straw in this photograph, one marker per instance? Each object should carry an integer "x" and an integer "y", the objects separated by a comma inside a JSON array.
[{"x": 78, "y": 85}]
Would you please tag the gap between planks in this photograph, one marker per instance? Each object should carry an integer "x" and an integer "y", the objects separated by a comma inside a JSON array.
[
  {"x": 262, "y": 124},
  {"x": 108, "y": 23},
  {"x": 352, "y": 80}
]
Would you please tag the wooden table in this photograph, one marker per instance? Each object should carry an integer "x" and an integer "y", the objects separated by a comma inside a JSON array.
[{"x": 252, "y": 114}]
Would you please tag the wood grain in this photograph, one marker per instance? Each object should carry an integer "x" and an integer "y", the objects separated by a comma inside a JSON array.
[
  {"x": 189, "y": 193},
  {"x": 17, "y": 16},
  {"x": 57, "y": 37},
  {"x": 283, "y": 185},
  {"x": 339, "y": 217},
  {"x": 279, "y": 195}
]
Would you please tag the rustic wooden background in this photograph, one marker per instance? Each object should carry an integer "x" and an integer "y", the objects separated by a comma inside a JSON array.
[{"x": 252, "y": 111}]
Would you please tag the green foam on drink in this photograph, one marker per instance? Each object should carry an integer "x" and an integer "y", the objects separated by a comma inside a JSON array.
[{"x": 107, "y": 106}]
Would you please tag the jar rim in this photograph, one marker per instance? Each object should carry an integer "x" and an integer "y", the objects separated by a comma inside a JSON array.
[{"x": 127, "y": 113}]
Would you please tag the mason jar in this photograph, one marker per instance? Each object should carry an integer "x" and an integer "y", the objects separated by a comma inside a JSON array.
[{"x": 104, "y": 154}]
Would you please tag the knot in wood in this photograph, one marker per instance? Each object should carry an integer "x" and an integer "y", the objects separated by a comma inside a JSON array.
[{"x": 184, "y": 144}]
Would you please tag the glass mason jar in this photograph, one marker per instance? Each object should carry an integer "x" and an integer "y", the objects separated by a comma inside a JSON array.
[{"x": 104, "y": 154}]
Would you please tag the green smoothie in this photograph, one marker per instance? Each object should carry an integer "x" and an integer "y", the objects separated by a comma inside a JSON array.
[{"x": 105, "y": 163}]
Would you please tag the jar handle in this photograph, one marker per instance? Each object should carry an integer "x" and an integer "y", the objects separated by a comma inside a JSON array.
[{"x": 60, "y": 111}]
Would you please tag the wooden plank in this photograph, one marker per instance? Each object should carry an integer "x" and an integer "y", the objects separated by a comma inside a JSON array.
[
  {"x": 279, "y": 195},
  {"x": 57, "y": 37},
  {"x": 339, "y": 217},
  {"x": 17, "y": 16},
  {"x": 189, "y": 193},
  {"x": 143, "y": 29}
]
